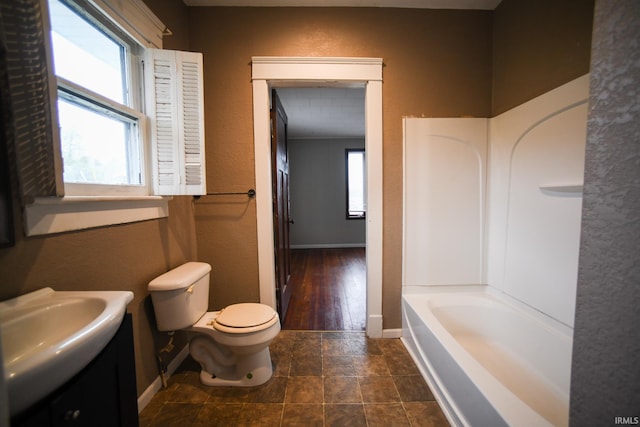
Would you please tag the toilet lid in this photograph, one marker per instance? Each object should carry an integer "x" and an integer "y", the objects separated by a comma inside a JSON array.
[{"x": 245, "y": 315}]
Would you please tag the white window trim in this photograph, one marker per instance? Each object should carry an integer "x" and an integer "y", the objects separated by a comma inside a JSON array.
[
  {"x": 136, "y": 19},
  {"x": 50, "y": 215}
]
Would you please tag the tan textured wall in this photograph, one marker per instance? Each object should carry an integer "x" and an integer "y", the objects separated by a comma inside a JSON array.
[
  {"x": 436, "y": 63},
  {"x": 174, "y": 14},
  {"x": 538, "y": 46},
  {"x": 124, "y": 257}
]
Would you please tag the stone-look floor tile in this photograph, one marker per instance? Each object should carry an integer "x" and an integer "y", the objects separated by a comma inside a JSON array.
[
  {"x": 363, "y": 347},
  {"x": 218, "y": 415},
  {"x": 227, "y": 394},
  {"x": 189, "y": 393},
  {"x": 385, "y": 415},
  {"x": 144, "y": 421},
  {"x": 164, "y": 393},
  {"x": 391, "y": 346},
  {"x": 302, "y": 414},
  {"x": 401, "y": 364},
  {"x": 337, "y": 366},
  {"x": 341, "y": 415},
  {"x": 341, "y": 335},
  {"x": 372, "y": 365},
  {"x": 281, "y": 363},
  {"x": 378, "y": 390},
  {"x": 306, "y": 365},
  {"x": 307, "y": 346},
  {"x": 342, "y": 390},
  {"x": 174, "y": 414},
  {"x": 151, "y": 410},
  {"x": 308, "y": 336},
  {"x": 304, "y": 390},
  {"x": 369, "y": 383},
  {"x": 272, "y": 391},
  {"x": 260, "y": 415},
  {"x": 285, "y": 335},
  {"x": 425, "y": 414},
  {"x": 335, "y": 347},
  {"x": 172, "y": 393},
  {"x": 282, "y": 350},
  {"x": 283, "y": 342},
  {"x": 412, "y": 388}
]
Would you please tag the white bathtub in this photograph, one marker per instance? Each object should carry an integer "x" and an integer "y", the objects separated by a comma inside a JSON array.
[{"x": 489, "y": 360}]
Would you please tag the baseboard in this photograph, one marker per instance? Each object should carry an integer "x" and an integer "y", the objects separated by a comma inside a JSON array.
[
  {"x": 330, "y": 246},
  {"x": 374, "y": 326},
  {"x": 156, "y": 385},
  {"x": 392, "y": 333}
]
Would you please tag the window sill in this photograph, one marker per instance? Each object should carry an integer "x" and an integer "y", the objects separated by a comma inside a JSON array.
[{"x": 50, "y": 215}]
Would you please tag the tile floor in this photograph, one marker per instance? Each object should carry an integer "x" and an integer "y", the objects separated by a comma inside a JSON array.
[{"x": 320, "y": 379}]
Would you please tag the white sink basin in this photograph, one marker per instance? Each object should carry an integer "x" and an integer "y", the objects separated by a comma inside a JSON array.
[{"x": 49, "y": 336}]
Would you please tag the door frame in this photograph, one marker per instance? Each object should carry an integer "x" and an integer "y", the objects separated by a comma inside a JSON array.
[{"x": 268, "y": 72}]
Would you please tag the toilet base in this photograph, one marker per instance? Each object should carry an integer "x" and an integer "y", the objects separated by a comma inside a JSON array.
[{"x": 249, "y": 371}]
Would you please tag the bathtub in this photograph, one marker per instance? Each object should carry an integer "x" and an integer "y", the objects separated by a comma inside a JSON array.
[{"x": 489, "y": 360}]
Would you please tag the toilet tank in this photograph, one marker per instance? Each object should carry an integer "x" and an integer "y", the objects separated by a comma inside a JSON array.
[{"x": 180, "y": 296}]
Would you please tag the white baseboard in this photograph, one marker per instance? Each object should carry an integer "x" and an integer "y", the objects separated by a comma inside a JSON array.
[
  {"x": 392, "y": 333},
  {"x": 330, "y": 246},
  {"x": 156, "y": 385},
  {"x": 374, "y": 326}
]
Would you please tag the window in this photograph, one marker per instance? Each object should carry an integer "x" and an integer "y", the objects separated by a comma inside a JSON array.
[
  {"x": 99, "y": 107},
  {"x": 130, "y": 118},
  {"x": 356, "y": 199}
]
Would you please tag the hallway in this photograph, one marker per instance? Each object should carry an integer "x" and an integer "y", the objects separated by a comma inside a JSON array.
[{"x": 329, "y": 290}]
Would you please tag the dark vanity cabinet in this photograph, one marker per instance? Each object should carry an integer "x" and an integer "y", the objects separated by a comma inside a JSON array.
[{"x": 102, "y": 394}]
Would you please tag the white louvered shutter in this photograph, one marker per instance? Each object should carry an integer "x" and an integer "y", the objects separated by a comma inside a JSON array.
[{"x": 175, "y": 107}]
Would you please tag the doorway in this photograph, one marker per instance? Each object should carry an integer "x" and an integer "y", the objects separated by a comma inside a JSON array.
[
  {"x": 325, "y": 134},
  {"x": 268, "y": 72}
]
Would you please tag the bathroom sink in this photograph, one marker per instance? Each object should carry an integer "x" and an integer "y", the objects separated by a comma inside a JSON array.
[{"x": 49, "y": 336}]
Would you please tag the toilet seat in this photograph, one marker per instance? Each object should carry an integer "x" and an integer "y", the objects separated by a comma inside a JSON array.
[{"x": 245, "y": 318}]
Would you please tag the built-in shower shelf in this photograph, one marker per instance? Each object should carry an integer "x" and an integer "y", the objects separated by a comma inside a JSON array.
[{"x": 569, "y": 190}]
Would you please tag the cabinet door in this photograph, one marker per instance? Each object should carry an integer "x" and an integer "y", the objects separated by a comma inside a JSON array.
[
  {"x": 91, "y": 399},
  {"x": 102, "y": 394}
]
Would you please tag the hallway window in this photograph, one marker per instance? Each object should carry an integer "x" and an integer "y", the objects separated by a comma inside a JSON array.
[{"x": 355, "y": 172}]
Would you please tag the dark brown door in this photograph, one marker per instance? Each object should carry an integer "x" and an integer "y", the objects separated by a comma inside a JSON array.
[{"x": 281, "y": 217}]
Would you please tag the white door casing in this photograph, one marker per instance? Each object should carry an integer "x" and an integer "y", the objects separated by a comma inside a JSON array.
[{"x": 270, "y": 72}]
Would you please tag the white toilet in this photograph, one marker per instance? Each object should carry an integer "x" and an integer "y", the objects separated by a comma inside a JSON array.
[{"x": 231, "y": 345}]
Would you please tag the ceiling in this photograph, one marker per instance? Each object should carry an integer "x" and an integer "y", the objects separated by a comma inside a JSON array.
[{"x": 317, "y": 113}]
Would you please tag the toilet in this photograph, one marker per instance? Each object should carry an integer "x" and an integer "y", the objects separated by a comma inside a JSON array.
[{"x": 231, "y": 345}]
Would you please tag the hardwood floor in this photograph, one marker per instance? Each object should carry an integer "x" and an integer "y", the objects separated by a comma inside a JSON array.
[{"x": 329, "y": 290}]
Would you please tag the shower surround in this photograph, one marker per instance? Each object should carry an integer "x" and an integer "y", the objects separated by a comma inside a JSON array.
[{"x": 491, "y": 239}]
